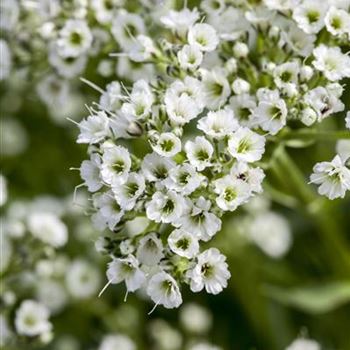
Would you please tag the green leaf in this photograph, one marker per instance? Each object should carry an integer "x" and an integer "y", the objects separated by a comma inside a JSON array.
[{"x": 315, "y": 299}]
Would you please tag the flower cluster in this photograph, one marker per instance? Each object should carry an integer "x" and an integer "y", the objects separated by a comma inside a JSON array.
[
  {"x": 38, "y": 279},
  {"x": 54, "y": 42},
  {"x": 176, "y": 151}
]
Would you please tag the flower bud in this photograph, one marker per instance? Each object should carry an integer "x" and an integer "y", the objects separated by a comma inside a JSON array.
[
  {"x": 134, "y": 129},
  {"x": 240, "y": 50},
  {"x": 231, "y": 65},
  {"x": 240, "y": 86},
  {"x": 306, "y": 73},
  {"x": 308, "y": 116}
]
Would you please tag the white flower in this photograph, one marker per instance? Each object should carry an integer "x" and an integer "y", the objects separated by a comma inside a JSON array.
[
  {"x": 271, "y": 232},
  {"x": 231, "y": 191},
  {"x": 324, "y": 102},
  {"x": 150, "y": 250},
  {"x": 82, "y": 279},
  {"x": 155, "y": 167},
  {"x": 126, "y": 27},
  {"x": 286, "y": 74},
  {"x": 90, "y": 173},
  {"x": 211, "y": 272},
  {"x": 337, "y": 21},
  {"x": 199, "y": 221},
  {"x": 129, "y": 191},
  {"x": 183, "y": 243},
  {"x": 110, "y": 99},
  {"x": 246, "y": 145},
  {"x": 94, "y": 129},
  {"x": 333, "y": 178},
  {"x": 243, "y": 106},
  {"x": 304, "y": 344},
  {"x": 308, "y": 116},
  {"x": 216, "y": 88},
  {"x": 184, "y": 179},
  {"x": 204, "y": 35},
  {"x": 52, "y": 294},
  {"x": 165, "y": 207},
  {"x": 48, "y": 228},
  {"x": 218, "y": 124},
  {"x": 252, "y": 176},
  {"x": 32, "y": 319},
  {"x": 332, "y": 62},
  {"x": 199, "y": 152},
  {"x": 298, "y": 40},
  {"x": 189, "y": 86},
  {"x": 310, "y": 15},
  {"x": 181, "y": 109},
  {"x": 143, "y": 49},
  {"x": 180, "y": 21},
  {"x": 116, "y": 163},
  {"x": 141, "y": 100},
  {"x": 240, "y": 50},
  {"x": 67, "y": 67},
  {"x": 53, "y": 91},
  {"x": 104, "y": 10},
  {"x": 108, "y": 212},
  {"x": 167, "y": 145},
  {"x": 127, "y": 270},
  {"x": 190, "y": 57},
  {"x": 75, "y": 38},
  {"x": 163, "y": 290},
  {"x": 271, "y": 112},
  {"x": 117, "y": 341}
]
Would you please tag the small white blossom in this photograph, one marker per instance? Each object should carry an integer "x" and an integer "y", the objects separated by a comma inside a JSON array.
[
  {"x": 203, "y": 35},
  {"x": 32, "y": 319},
  {"x": 163, "y": 290},
  {"x": 117, "y": 341},
  {"x": 116, "y": 163},
  {"x": 90, "y": 173},
  {"x": 199, "y": 152},
  {"x": 155, "y": 167},
  {"x": 150, "y": 250},
  {"x": 231, "y": 191},
  {"x": 218, "y": 124},
  {"x": 184, "y": 179},
  {"x": 332, "y": 62},
  {"x": 129, "y": 191},
  {"x": 183, "y": 243},
  {"x": 127, "y": 270},
  {"x": 167, "y": 145},
  {"x": 211, "y": 272},
  {"x": 246, "y": 145},
  {"x": 190, "y": 57},
  {"x": 48, "y": 228},
  {"x": 94, "y": 129},
  {"x": 333, "y": 178},
  {"x": 304, "y": 344},
  {"x": 75, "y": 38},
  {"x": 165, "y": 207},
  {"x": 199, "y": 221},
  {"x": 337, "y": 21}
]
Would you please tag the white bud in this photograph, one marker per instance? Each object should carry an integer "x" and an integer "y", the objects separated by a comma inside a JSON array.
[
  {"x": 231, "y": 65},
  {"x": 308, "y": 116},
  {"x": 306, "y": 73},
  {"x": 240, "y": 86},
  {"x": 240, "y": 50},
  {"x": 274, "y": 32}
]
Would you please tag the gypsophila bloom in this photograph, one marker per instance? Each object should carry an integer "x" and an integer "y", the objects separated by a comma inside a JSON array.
[
  {"x": 210, "y": 272},
  {"x": 48, "y": 228},
  {"x": 32, "y": 319},
  {"x": 333, "y": 178},
  {"x": 163, "y": 290},
  {"x": 213, "y": 97}
]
